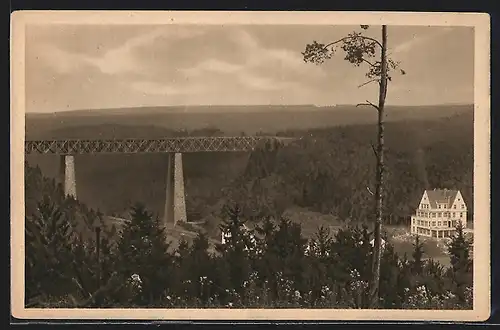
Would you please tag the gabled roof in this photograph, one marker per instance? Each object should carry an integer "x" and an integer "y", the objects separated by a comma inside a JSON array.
[{"x": 441, "y": 196}]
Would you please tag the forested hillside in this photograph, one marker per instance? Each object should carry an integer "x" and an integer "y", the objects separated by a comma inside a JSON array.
[
  {"x": 332, "y": 170},
  {"x": 329, "y": 170},
  {"x": 229, "y": 119}
]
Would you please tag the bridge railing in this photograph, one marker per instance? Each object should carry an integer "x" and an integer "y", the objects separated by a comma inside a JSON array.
[{"x": 166, "y": 145}]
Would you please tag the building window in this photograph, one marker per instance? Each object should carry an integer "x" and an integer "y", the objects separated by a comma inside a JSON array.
[
  {"x": 461, "y": 215},
  {"x": 439, "y": 214},
  {"x": 433, "y": 223},
  {"x": 463, "y": 206},
  {"x": 445, "y": 206},
  {"x": 454, "y": 206},
  {"x": 439, "y": 206},
  {"x": 454, "y": 214},
  {"x": 433, "y": 233},
  {"x": 439, "y": 223}
]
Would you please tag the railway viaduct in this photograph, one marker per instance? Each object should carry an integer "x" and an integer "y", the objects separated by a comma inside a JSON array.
[{"x": 175, "y": 204}]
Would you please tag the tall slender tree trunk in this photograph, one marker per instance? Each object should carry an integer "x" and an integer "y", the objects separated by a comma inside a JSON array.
[
  {"x": 98, "y": 252},
  {"x": 375, "y": 280}
]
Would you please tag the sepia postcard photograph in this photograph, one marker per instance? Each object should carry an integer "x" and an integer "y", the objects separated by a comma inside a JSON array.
[{"x": 250, "y": 165}]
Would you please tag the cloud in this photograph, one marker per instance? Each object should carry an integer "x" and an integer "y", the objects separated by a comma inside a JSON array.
[
  {"x": 211, "y": 65},
  {"x": 62, "y": 62},
  {"x": 254, "y": 66},
  {"x": 122, "y": 59},
  {"x": 419, "y": 40},
  {"x": 259, "y": 55},
  {"x": 152, "y": 88},
  {"x": 118, "y": 60},
  {"x": 262, "y": 83},
  {"x": 132, "y": 66}
]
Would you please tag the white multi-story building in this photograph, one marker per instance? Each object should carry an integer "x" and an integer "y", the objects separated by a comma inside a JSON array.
[{"x": 439, "y": 213}]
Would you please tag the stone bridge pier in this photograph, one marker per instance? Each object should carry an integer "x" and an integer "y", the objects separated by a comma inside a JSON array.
[
  {"x": 175, "y": 203},
  {"x": 173, "y": 148},
  {"x": 67, "y": 175}
]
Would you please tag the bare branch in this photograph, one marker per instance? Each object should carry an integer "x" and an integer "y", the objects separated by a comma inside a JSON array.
[
  {"x": 353, "y": 37},
  {"x": 100, "y": 292},
  {"x": 366, "y": 83},
  {"x": 80, "y": 286},
  {"x": 368, "y": 62},
  {"x": 368, "y": 103},
  {"x": 374, "y": 150}
]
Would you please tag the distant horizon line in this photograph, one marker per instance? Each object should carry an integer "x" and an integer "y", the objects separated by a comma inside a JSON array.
[{"x": 239, "y": 105}]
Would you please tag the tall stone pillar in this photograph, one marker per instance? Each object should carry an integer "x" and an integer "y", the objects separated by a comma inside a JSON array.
[
  {"x": 68, "y": 176},
  {"x": 168, "y": 215},
  {"x": 179, "y": 195},
  {"x": 175, "y": 203}
]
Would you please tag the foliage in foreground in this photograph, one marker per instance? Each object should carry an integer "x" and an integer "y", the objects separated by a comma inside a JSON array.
[{"x": 272, "y": 266}]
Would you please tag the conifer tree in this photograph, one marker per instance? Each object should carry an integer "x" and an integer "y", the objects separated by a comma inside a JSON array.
[
  {"x": 418, "y": 252},
  {"x": 287, "y": 249},
  {"x": 461, "y": 264},
  {"x": 321, "y": 270},
  {"x": 265, "y": 231},
  {"x": 434, "y": 273},
  {"x": 48, "y": 240},
  {"x": 143, "y": 251},
  {"x": 390, "y": 281},
  {"x": 180, "y": 271},
  {"x": 234, "y": 250},
  {"x": 200, "y": 267},
  {"x": 404, "y": 279},
  {"x": 264, "y": 262}
]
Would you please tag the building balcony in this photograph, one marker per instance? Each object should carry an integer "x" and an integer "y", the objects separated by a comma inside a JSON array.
[{"x": 435, "y": 227}]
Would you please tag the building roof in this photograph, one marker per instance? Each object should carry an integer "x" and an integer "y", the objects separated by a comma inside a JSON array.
[{"x": 441, "y": 196}]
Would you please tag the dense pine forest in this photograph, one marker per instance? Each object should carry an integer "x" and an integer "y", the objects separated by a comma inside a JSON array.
[
  {"x": 74, "y": 260},
  {"x": 71, "y": 263}
]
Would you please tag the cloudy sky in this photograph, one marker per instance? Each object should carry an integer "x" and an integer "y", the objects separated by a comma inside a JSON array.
[{"x": 71, "y": 67}]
